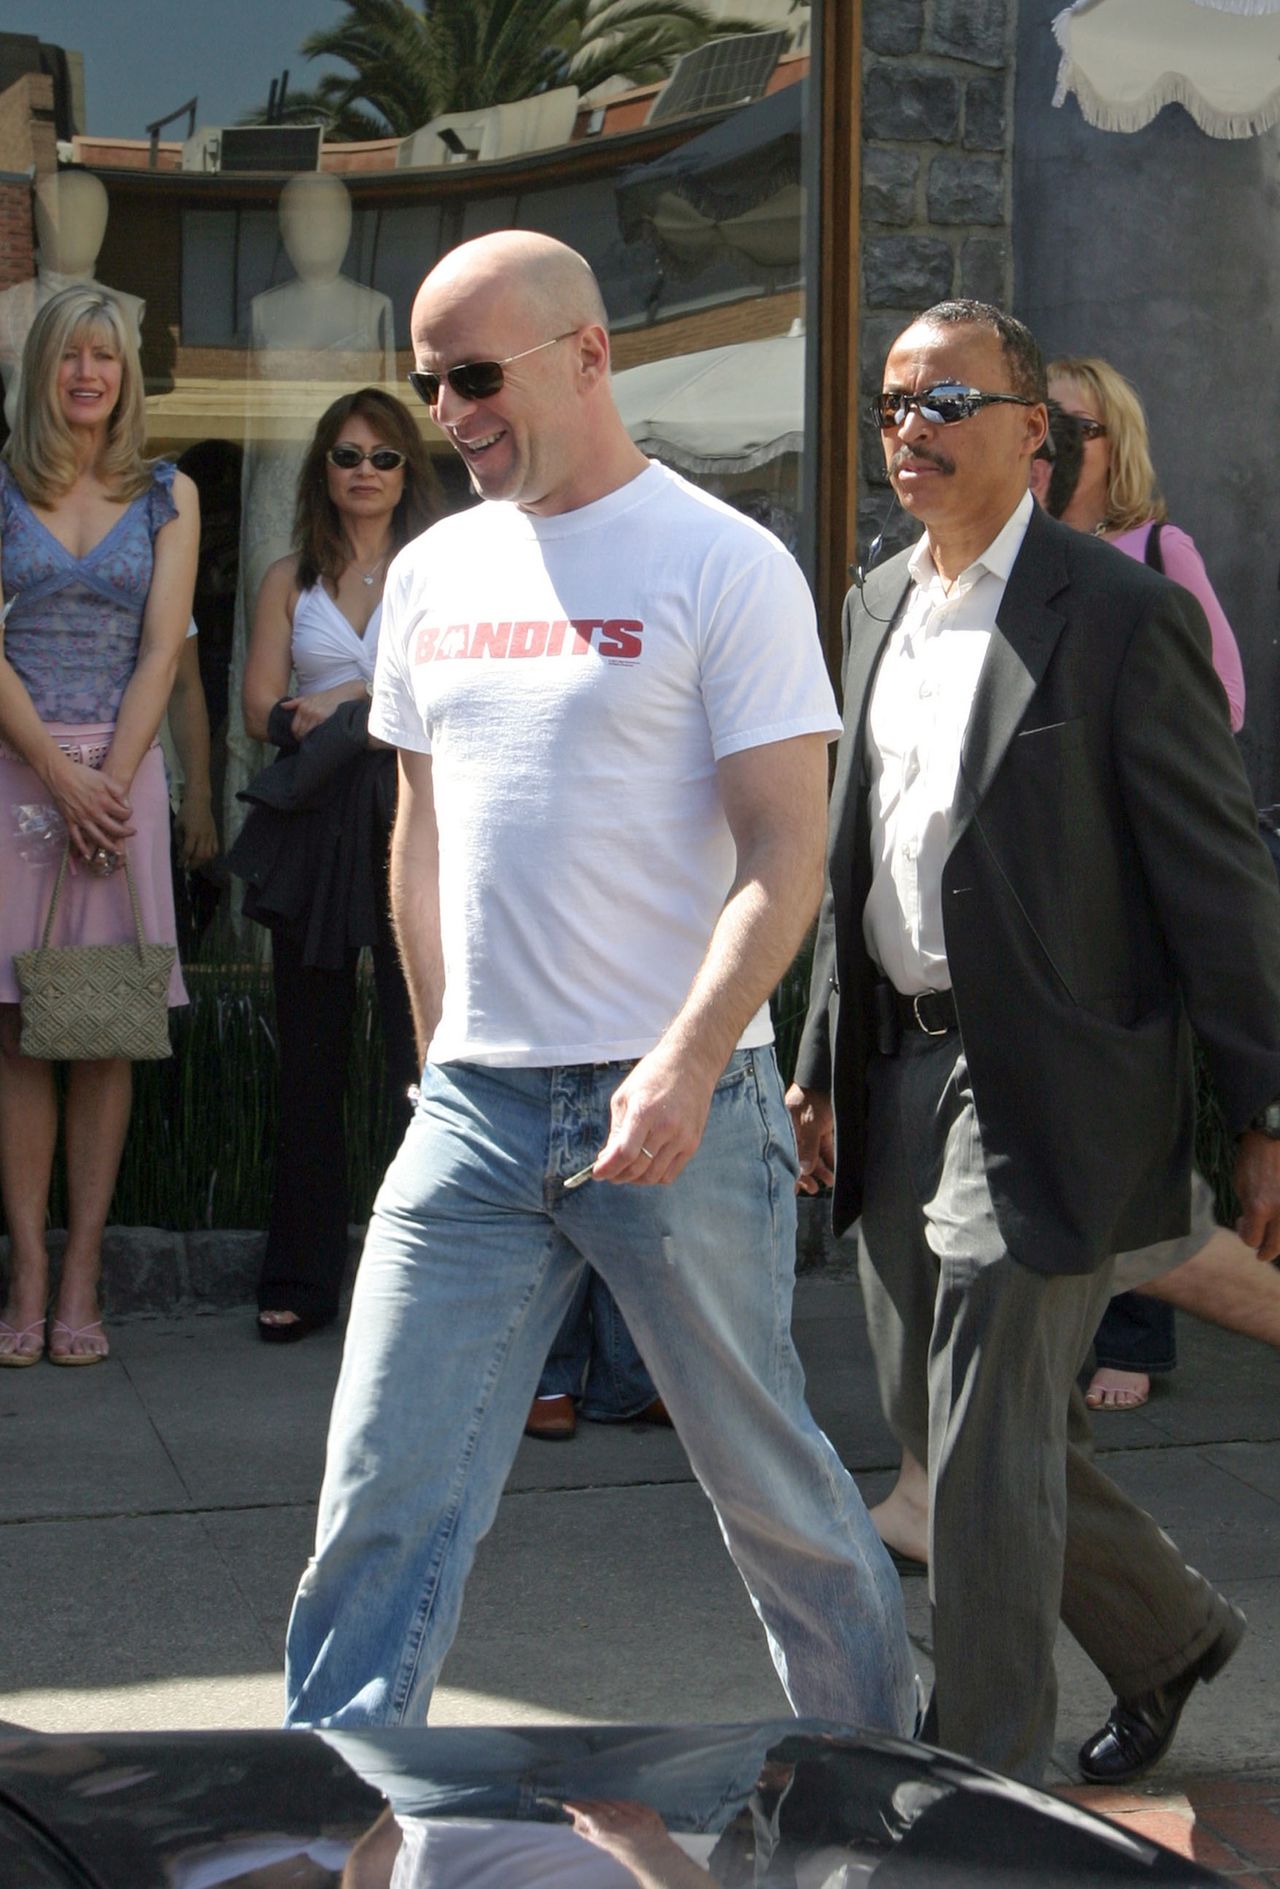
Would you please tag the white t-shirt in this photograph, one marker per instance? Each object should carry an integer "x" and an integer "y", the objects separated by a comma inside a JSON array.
[{"x": 575, "y": 680}]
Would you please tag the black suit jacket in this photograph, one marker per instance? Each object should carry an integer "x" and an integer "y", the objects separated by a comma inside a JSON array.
[{"x": 1104, "y": 882}]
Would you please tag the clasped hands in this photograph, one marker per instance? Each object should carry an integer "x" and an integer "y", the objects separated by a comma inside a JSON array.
[{"x": 97, "y": 813}]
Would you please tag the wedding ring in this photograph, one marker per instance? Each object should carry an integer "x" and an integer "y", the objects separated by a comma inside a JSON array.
[{"x": 648, "y": 1153}]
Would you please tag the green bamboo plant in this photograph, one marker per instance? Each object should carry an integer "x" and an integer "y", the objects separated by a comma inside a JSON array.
[{"x": 200, "y": 1149}]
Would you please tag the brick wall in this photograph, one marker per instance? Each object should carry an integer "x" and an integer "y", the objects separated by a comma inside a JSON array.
[
  {"x": 17, "y": 247},
  {"x": 28, "y": 134},
  {"x": 937, "y": 145},
  {"x": 28, "y": 149}
]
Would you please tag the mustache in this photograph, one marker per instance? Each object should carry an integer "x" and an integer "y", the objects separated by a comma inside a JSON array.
[{"x": 918, "y": 453}]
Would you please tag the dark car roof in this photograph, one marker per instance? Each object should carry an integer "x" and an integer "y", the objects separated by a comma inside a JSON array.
[{"x": 788, "y": 1801}]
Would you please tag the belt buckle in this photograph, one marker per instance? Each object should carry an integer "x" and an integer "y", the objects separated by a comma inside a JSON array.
[{"x": 921, "y": 1025}]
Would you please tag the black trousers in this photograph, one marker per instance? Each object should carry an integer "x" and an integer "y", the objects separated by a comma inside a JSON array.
[{"x": 306, "y": 1254}]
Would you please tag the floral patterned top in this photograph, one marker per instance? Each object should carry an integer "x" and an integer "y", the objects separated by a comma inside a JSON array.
[{"x": 74, "y": 629}]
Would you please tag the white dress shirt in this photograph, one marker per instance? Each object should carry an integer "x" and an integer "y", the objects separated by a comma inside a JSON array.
[{"x": 919, "y": 714}]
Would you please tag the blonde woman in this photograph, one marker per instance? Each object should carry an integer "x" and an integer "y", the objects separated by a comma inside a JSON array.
[
  {"x": 1117, "y": 497},
  {"x": 97, "y": 559}
]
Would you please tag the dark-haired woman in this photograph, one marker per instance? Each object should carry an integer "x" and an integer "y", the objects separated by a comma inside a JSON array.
[{"x": 314, "y": 847}]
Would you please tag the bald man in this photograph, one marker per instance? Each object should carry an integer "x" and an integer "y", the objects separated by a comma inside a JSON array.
[{"x": 612, "y": 718}]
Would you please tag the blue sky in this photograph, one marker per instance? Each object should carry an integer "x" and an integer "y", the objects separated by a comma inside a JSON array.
[{"x": 143, "y": 58}]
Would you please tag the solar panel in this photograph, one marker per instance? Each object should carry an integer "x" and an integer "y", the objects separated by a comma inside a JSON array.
[
  {"x": 270, "y": 147},
  {"x": 729, "y": 71}
]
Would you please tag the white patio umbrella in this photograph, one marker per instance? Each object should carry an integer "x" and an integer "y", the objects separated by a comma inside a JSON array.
[
  {"x": 1126, "y": 59},
  {"x": 720, "y": 410}
]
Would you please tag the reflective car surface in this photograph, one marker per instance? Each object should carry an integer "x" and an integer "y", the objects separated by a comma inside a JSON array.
[{"x": 799, "y": 1804}]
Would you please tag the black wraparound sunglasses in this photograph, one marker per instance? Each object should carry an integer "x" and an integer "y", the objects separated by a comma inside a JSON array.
[
  {"x": 942, "y": 405},
  {"x": 382, "y": 458},
  {"x": 474, "y": 380}
]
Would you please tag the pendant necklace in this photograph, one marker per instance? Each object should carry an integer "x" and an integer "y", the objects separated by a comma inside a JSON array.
[{"x": 367, "y": 578}]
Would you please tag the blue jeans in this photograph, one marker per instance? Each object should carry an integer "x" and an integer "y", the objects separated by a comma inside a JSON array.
[
  {"x": 594, "y": 1360},
  {"x": 472, "y": 1258},
  {"x": 1136, "y": 1333}
]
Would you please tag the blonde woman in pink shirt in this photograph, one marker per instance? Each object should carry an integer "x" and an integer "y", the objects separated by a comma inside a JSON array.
[{"x": 1117, "y": 498}]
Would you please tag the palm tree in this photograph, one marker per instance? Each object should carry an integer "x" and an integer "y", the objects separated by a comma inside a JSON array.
[{"x": 410, "y": 64}]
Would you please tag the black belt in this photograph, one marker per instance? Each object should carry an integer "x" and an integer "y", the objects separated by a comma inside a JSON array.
[{"x": 929, "y": 1013}]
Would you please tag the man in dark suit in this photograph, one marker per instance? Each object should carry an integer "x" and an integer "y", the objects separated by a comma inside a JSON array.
[{"x": 1044, "y": 871}]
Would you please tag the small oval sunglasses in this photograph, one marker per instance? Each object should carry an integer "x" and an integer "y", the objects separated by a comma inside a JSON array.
[
  {"x": 474, "y": 380},
  {"x": 348, "y": 457}
]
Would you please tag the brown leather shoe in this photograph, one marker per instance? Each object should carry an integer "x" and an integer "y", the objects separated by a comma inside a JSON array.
[
  {"x": 553, "y": 1419},
  {"x": 656, "y": 1412}
]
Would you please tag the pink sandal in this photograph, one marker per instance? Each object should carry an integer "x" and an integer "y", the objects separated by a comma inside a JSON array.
[
  {"x": 59, "y": 1329},
  {"x": 18, "y": 1358}
]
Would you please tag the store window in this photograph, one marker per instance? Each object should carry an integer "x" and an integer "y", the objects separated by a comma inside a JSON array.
[{"x": 260, "y": 292}]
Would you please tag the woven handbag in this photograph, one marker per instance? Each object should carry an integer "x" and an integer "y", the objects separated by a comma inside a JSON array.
[{"x": 84, "y": 1002}]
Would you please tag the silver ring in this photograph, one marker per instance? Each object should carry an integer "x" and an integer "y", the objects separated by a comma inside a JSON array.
[{"x": 647, "y": 1152}]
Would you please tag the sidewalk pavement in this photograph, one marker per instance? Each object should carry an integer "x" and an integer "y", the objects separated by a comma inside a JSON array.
[{"x": 155, "y": 1513}]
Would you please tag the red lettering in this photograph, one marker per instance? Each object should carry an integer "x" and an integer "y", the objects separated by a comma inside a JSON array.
[
  {"x": 490, "y": 639},
  {"x": 616, "y": 638},
  {"x": 528, "y": 639},
  {"x": 620, "y": 636}
]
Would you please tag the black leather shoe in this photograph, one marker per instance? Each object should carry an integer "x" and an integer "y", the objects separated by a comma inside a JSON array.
[{"x": 1139, "y": 1731}]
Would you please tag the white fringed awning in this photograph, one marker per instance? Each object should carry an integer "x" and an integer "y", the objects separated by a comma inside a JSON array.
[
  {"x": 1126, "y": 59},
  {"x": 721, "y": 410}
]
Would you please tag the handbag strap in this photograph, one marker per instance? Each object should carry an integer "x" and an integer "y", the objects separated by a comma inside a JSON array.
[
  {"x": 1154, "y": 556},
  {"x": 57, "y": 894}
]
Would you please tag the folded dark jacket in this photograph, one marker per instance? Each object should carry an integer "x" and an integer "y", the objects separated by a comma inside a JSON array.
[{"x": 313, "y": 848}]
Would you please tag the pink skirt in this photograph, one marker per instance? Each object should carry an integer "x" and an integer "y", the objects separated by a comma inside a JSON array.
[{"x": 91, "y": 910}]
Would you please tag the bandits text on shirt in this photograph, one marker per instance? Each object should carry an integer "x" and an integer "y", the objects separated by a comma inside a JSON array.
[{"x": 617, "y": 639}]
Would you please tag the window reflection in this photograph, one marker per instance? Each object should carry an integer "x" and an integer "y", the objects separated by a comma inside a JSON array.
[{"x": 260, "y": 298}]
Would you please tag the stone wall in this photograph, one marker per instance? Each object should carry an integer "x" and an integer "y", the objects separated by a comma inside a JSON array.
[
  {"x": 1157, "y": 250},
  {"x": 937, "y": 141}
]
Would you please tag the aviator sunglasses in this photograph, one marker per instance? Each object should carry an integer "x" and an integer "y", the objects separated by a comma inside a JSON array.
[
  {"x": 942, "y": 405},
  {"x": 348, "y": 457},
  {"x": 474, "y": 380}
]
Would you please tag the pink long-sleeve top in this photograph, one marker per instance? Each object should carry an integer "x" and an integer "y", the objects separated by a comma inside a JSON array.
[{"x": 1184, "y": 564}]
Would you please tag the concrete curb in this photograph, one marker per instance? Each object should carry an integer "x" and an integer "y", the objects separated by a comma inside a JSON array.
[{"x": 156, "y": 1272}]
